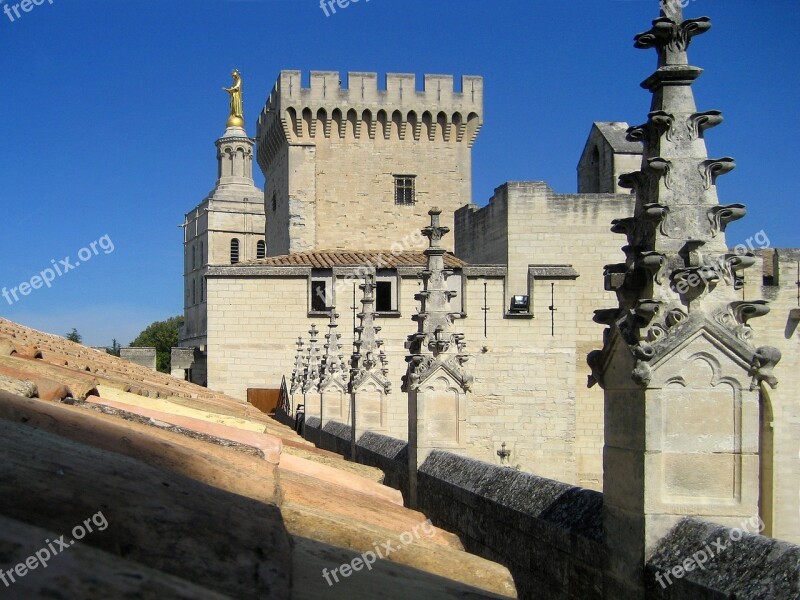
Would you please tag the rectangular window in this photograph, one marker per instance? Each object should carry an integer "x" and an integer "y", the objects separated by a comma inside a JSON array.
[
  {"x": 404, "y": 192},
  {"x": 383, "y": 296},
  {"x": 319, "y": 295}
]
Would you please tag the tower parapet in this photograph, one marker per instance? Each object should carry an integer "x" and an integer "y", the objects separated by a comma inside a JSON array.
[{"x": 327, "y": 108}]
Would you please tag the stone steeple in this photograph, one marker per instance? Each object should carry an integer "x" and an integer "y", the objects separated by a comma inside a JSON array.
[
  {"x": 436, "y": 380},
  {"x": 311, "y": 370},
  {"x": 435, "y": 345},
  {"x": 680, "y": 374},
  {"x": 299, "y": 368},
  {"x": 368, "y": 361},
  {"x": 333, "y": 369}
]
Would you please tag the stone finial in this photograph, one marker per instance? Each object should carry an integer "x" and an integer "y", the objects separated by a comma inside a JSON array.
[
  {"x": 676, "y": 257},
  {"x": 435, "y": 345},
  {"x": 299, "y": 368},
  {"x": 368, "y": 359},
  {"x": 311, "y": 379},
  {"x": 333, "y": 370}
]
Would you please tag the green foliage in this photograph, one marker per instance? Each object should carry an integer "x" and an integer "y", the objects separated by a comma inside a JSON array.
[
  {"x": 74, "y": 336},
  {"x": 114, "y": 350},
  {"x": 163, "y": 336}
]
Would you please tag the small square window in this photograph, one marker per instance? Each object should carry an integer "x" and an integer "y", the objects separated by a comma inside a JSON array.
[{"x": 404, "y": 192}]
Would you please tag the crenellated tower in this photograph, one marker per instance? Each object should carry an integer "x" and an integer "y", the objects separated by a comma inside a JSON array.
[
  {"x": 680, "y": 374},
  {"x": 385, "y": 155}
]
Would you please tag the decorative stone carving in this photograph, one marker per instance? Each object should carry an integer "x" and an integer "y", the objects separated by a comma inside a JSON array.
[
  {"x": 661, "y": 167},
  {"x": 633, "y": 181},
  {"x": 744, "y": 311},
  {"x": 670, "y": 37},
  {"x": 764, "y": 361},
  {"x": 595, "y": 360},
  {"x": 658, "y": 124},
  {"x": 368, "y": 361},
  {"x": 739, "y": 262},
  {"x": 333, "y": 369},
  {"x": 720, "y": 216},
  {"x": 675, "y": 316},
  {"x": 299, "y": 368},
  {"x": 713, "y": 168},
  {"x": 653, "y": 263},
  {"x": 431, "y": 347},
  {"x": 311, "y": 372},
  {"x": 699, "y": 122}
]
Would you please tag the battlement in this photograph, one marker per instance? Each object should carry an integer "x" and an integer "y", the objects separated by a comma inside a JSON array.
[
  {"x": 327, "y": 89},
  {"x": 399, "y": 111}
]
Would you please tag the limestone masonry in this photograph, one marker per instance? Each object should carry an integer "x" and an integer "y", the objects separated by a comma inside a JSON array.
[{"x": 334, "y": 244}]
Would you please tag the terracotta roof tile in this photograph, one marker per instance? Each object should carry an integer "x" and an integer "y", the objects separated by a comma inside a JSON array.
[{"x": 327, "y": 259}]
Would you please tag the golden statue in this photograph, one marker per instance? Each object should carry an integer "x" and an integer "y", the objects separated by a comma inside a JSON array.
[{"x": 236, "y": 119}]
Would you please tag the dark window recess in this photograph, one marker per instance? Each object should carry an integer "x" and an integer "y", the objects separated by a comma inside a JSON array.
[
  {"x": 404, "y": 189},
  {"x": 234, "y": 251},
  {"x": 261, "y": 249},
  {"x": 383, "y": 296},
  {"x": 274, "y": 202},
  {"x": 319, "y": 296}
]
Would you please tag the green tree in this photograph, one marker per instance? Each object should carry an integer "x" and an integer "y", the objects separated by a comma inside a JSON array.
[
  {"x": 114, "y": 350},
  {"x": 74, "y": 336},
  {"x": 163, "y": 336}
]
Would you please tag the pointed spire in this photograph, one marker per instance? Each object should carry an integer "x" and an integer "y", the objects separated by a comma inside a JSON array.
[
  {"x": 435, "y": 344},
  {"x": 368, "y": 358},
  {"x": 311, "y": 371},
  {"x": 677, "y": 260},
  {"x": 333, "y": 370},
  {"x": 299, "y": 368}
]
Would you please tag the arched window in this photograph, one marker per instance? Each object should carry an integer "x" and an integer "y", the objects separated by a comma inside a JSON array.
[
  {"x": 194, "y": 293},
  {"x": 261, "y": 249},
  {"x": 234, "y": 251},
  {"x": 202, "y": 290},
  {"x": 194, "y": 257}
]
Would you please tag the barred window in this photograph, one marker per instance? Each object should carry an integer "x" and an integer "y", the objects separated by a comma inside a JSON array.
[
  {"x": 404, "y": 192},
  {"x": 261, "y": 249},
  {"x": 234, "y": 251}
]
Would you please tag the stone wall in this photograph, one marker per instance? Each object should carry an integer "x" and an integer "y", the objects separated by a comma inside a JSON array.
[
  {"x": 144, "y": 357},
  {"x": 698, "y": 560},
  {"x": 528, "y": 223},
  {"x": 523, "y": 393},
  {"x": 549, "y": 534}
]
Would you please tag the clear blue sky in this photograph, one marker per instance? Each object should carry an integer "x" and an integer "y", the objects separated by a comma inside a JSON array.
[{"x": 111, "y": 108}]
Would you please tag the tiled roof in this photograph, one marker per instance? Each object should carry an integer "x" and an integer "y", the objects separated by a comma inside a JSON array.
[
  {"x": 327, "y": 259},
  {"x": 156, "y": 463}
]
